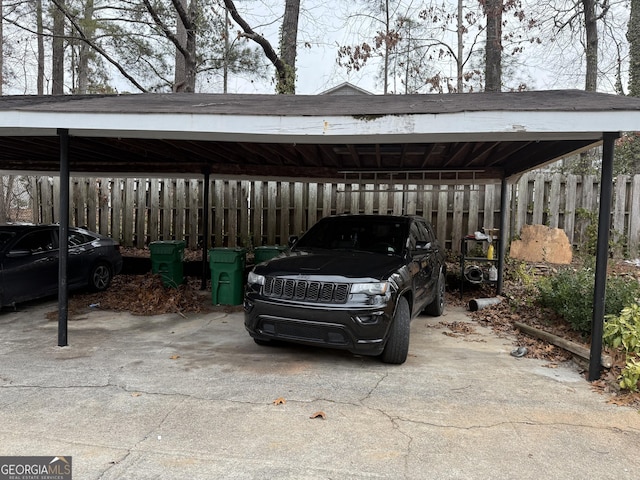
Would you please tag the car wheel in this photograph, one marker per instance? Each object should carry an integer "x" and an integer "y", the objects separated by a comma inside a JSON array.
[
  {"x": 436, "y": 307},
  {"x": 100, "y": 277},
  {"x": 397, "y": 347}
]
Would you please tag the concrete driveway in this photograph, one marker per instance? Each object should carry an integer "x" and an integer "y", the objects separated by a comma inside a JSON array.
[{"x": 167, "y": 397}]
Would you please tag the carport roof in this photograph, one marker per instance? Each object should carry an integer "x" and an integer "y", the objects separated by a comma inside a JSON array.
[{"x": 430, "y": 138}]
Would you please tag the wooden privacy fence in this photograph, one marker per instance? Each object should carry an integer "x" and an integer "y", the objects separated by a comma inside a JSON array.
[{"x": 250, "y": 213}]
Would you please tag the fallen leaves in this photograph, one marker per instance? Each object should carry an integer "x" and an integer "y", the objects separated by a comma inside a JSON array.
[
  {"x": 319, "y": 414},
  {"x": 141, "y": 295}
]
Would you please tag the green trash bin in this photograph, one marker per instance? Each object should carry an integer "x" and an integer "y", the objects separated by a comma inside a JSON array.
[
  {"x": 264, "y": 253},
  {"x": 227, "y": 275},
  {"x": 166, "y": 259}
]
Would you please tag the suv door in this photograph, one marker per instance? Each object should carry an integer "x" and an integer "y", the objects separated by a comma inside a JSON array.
[
  {"x": 434, "y": 259},
  {"x": 418, "y": 243}
]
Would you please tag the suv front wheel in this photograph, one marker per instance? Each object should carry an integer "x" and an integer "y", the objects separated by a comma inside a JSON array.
[{"x": 397, "y": 346}]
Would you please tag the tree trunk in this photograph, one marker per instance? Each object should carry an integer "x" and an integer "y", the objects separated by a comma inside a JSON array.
[
  {"x": 289, "y": 47},
  {"x": 84, "y": 50},
  {"x": 190, "y": 60},
  {"x": 493, "y": 50},
  {"x": 40, "y": 43},
  {"x": 180, "y": 72},
  {"x": 57, "y": 47},
  {"x": 633, "y": 37},
  {"x": 591, "y": 47},
  {"x": 185, "y": 66}
]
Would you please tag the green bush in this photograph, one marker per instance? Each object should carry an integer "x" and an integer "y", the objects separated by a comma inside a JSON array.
[
  {"x": 623, "y": 332},
  {"x": 570, "y": 294}
]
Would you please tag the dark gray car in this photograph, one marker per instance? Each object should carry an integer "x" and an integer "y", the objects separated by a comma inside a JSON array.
[
  {"x": 352, "y": 282},
  {"x": 29, "y": 261}
]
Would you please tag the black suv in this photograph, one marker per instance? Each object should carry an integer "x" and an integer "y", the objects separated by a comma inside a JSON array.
[{"x": 352, "y": 282}]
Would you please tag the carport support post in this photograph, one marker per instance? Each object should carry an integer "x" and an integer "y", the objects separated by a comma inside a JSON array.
[
  {"x": 602, "y": 254},
  {"x": 205, "y": 227},
  {"x": 502, "y": 243},
  {"x": 63, "y": 244}
]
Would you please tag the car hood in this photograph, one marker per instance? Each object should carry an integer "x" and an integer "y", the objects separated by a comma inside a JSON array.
[{"x": 331, "y": 263}]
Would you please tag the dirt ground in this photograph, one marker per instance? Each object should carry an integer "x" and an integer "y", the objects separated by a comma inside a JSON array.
[{"x": 145, "y": 295}]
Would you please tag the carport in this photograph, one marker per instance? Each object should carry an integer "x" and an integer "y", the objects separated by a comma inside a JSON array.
[{"x": 454, "y": 139}]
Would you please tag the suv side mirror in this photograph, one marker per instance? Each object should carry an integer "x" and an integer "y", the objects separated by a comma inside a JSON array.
[{"x": 292, "y": 240}]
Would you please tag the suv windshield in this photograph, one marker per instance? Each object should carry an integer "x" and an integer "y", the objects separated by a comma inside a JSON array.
[{"x": 370, "y": 234}]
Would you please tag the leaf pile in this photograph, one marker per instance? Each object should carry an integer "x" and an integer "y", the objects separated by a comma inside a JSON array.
[{"x": 143, "y": 295}]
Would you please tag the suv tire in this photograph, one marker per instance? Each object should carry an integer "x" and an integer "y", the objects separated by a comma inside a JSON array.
[{"x": 397, "y": 347}]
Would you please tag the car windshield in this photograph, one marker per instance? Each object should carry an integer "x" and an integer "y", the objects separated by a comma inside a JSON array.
[{"x": 369, "y": 234}]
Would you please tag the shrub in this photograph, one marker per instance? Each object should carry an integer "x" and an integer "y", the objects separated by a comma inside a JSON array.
[
  {"x": 570, "y": 294},
  {"x": 623, "y": 332}
]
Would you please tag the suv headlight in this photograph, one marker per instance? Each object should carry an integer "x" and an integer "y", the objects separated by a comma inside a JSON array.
[
  {"x": 373, "y": 288},
  {"x": 255, "y": 279}
]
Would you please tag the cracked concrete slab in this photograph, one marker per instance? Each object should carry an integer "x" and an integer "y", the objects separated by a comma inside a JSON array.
[{"x": 168, "y": 397}]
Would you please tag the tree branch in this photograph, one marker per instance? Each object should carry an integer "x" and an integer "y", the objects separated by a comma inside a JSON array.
[
  {"x": 259, "y": 39},
  {"x": 168, "y": 33}
]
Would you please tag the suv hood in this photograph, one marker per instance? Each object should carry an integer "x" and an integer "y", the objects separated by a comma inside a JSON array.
[{"x": 331, "y": 263}]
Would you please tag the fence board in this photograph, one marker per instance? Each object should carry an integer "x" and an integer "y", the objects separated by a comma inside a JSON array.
[
  {"x": 218, "y": 197},
  {"x": 257, "y": 201},
  {"x": 154, "y": 209},
  {"x": 369, "y": 199},
  {"x": 166, "y": 208},
  {"x": 285, "y": 213},
  {"x": 245, "y": 237},
  {"x": 312, "y": 201},
  {"x": 141, "y": 213},
  {"x": 458, "y": 215},
  {"x": 570, "y": 207},
  {"x": 298, "y": 202},
  {"x": 619, "y": 211},
  {"x": 538, "y": 199},
  {"x": 522, "y": 203},
  {"x": 195, "y": 200},
  {"x": 474, "y": 209},
  {"x": 272, "y": 209},
  {"x": 489, "y": 206},
  {"x": 116, "y": 210},
  {"x": 441, "y": 228},
  {"x": 554, "y": 202}
]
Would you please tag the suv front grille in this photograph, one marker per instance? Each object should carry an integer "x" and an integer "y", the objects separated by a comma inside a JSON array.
[{"x": 305, "y": 290}]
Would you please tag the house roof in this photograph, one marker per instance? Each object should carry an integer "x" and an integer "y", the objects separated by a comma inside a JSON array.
[
  {"x": 346, "y": 88},
  {"x": 429, "y": 138}
]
